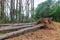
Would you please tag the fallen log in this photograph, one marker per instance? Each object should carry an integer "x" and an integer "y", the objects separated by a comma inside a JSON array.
[
  {"x": 18, "y": 24},
  {"x": 2, "y": 29},
  {"x": 8, "y": 35}
]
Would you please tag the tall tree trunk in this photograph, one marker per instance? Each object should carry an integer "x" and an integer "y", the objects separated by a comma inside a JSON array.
[
  {"x": 32, "y": 8},
  {"x": 16, "y": 10},
  {"x": 20, "y": 10},
  {"x": 12, "y": 10},
  {"x": 6, "y": 10},
  {"x": 27, "y": 10},
  {"x": 2, "y": 9},
  {"x": 0, "y": 4}
]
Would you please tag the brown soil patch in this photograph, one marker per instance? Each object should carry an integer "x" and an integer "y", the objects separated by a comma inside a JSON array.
[{"x": 42, "y": 34}]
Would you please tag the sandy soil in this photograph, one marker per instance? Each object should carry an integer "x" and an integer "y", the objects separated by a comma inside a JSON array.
[{"x": 41, "y": 34}]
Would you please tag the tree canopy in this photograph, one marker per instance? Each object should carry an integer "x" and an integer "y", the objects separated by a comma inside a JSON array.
[{"x": 49, "y": 8}]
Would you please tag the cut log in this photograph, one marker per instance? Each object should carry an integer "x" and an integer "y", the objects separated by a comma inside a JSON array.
[
  {"x": 2, "y": 29},
  {"x": 8, "y": 35},
  {"x": 14, "y": 26},
  {"x": 18, "y": 24}
]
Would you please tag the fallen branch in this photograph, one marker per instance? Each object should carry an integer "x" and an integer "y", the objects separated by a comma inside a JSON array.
[
  {"x": 2, "y": 29},
  {"x": 8, "y": 35}
]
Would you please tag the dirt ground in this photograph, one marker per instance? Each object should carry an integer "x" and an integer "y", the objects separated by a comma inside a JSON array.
[{"x": 41, "y": 34}]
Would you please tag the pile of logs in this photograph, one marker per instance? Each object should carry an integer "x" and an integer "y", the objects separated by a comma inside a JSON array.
[{"x": 19, "y": 29}]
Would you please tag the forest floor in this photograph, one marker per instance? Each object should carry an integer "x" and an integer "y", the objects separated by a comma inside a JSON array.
[{"x": 41, "y": 34}]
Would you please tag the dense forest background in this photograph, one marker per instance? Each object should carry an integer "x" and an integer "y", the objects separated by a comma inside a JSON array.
[
  {"x": 49, "y": 8},
  {"x": 17, "y": 11}
]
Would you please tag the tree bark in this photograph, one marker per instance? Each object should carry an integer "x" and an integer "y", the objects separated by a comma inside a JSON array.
[
  {"x": 9, "y": 28},
  {"x": 11, "y": 34},
  {"x": 32, "y": 7},
  {"x": 27, "y": 10},
  {"x": 12, "y": 10},
  {"x": 19, "y": 24},
  {"x": 16, "y": 11},
  {"x": 20, "y": 11},
  {"x": 2, "y": 9}
]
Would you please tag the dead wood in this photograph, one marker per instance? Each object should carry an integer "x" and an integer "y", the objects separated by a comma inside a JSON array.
[
  {"x": 7, "y": 35},
  {"x": 16, "y": 24},
  {"x": 2, "y": 29}
]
